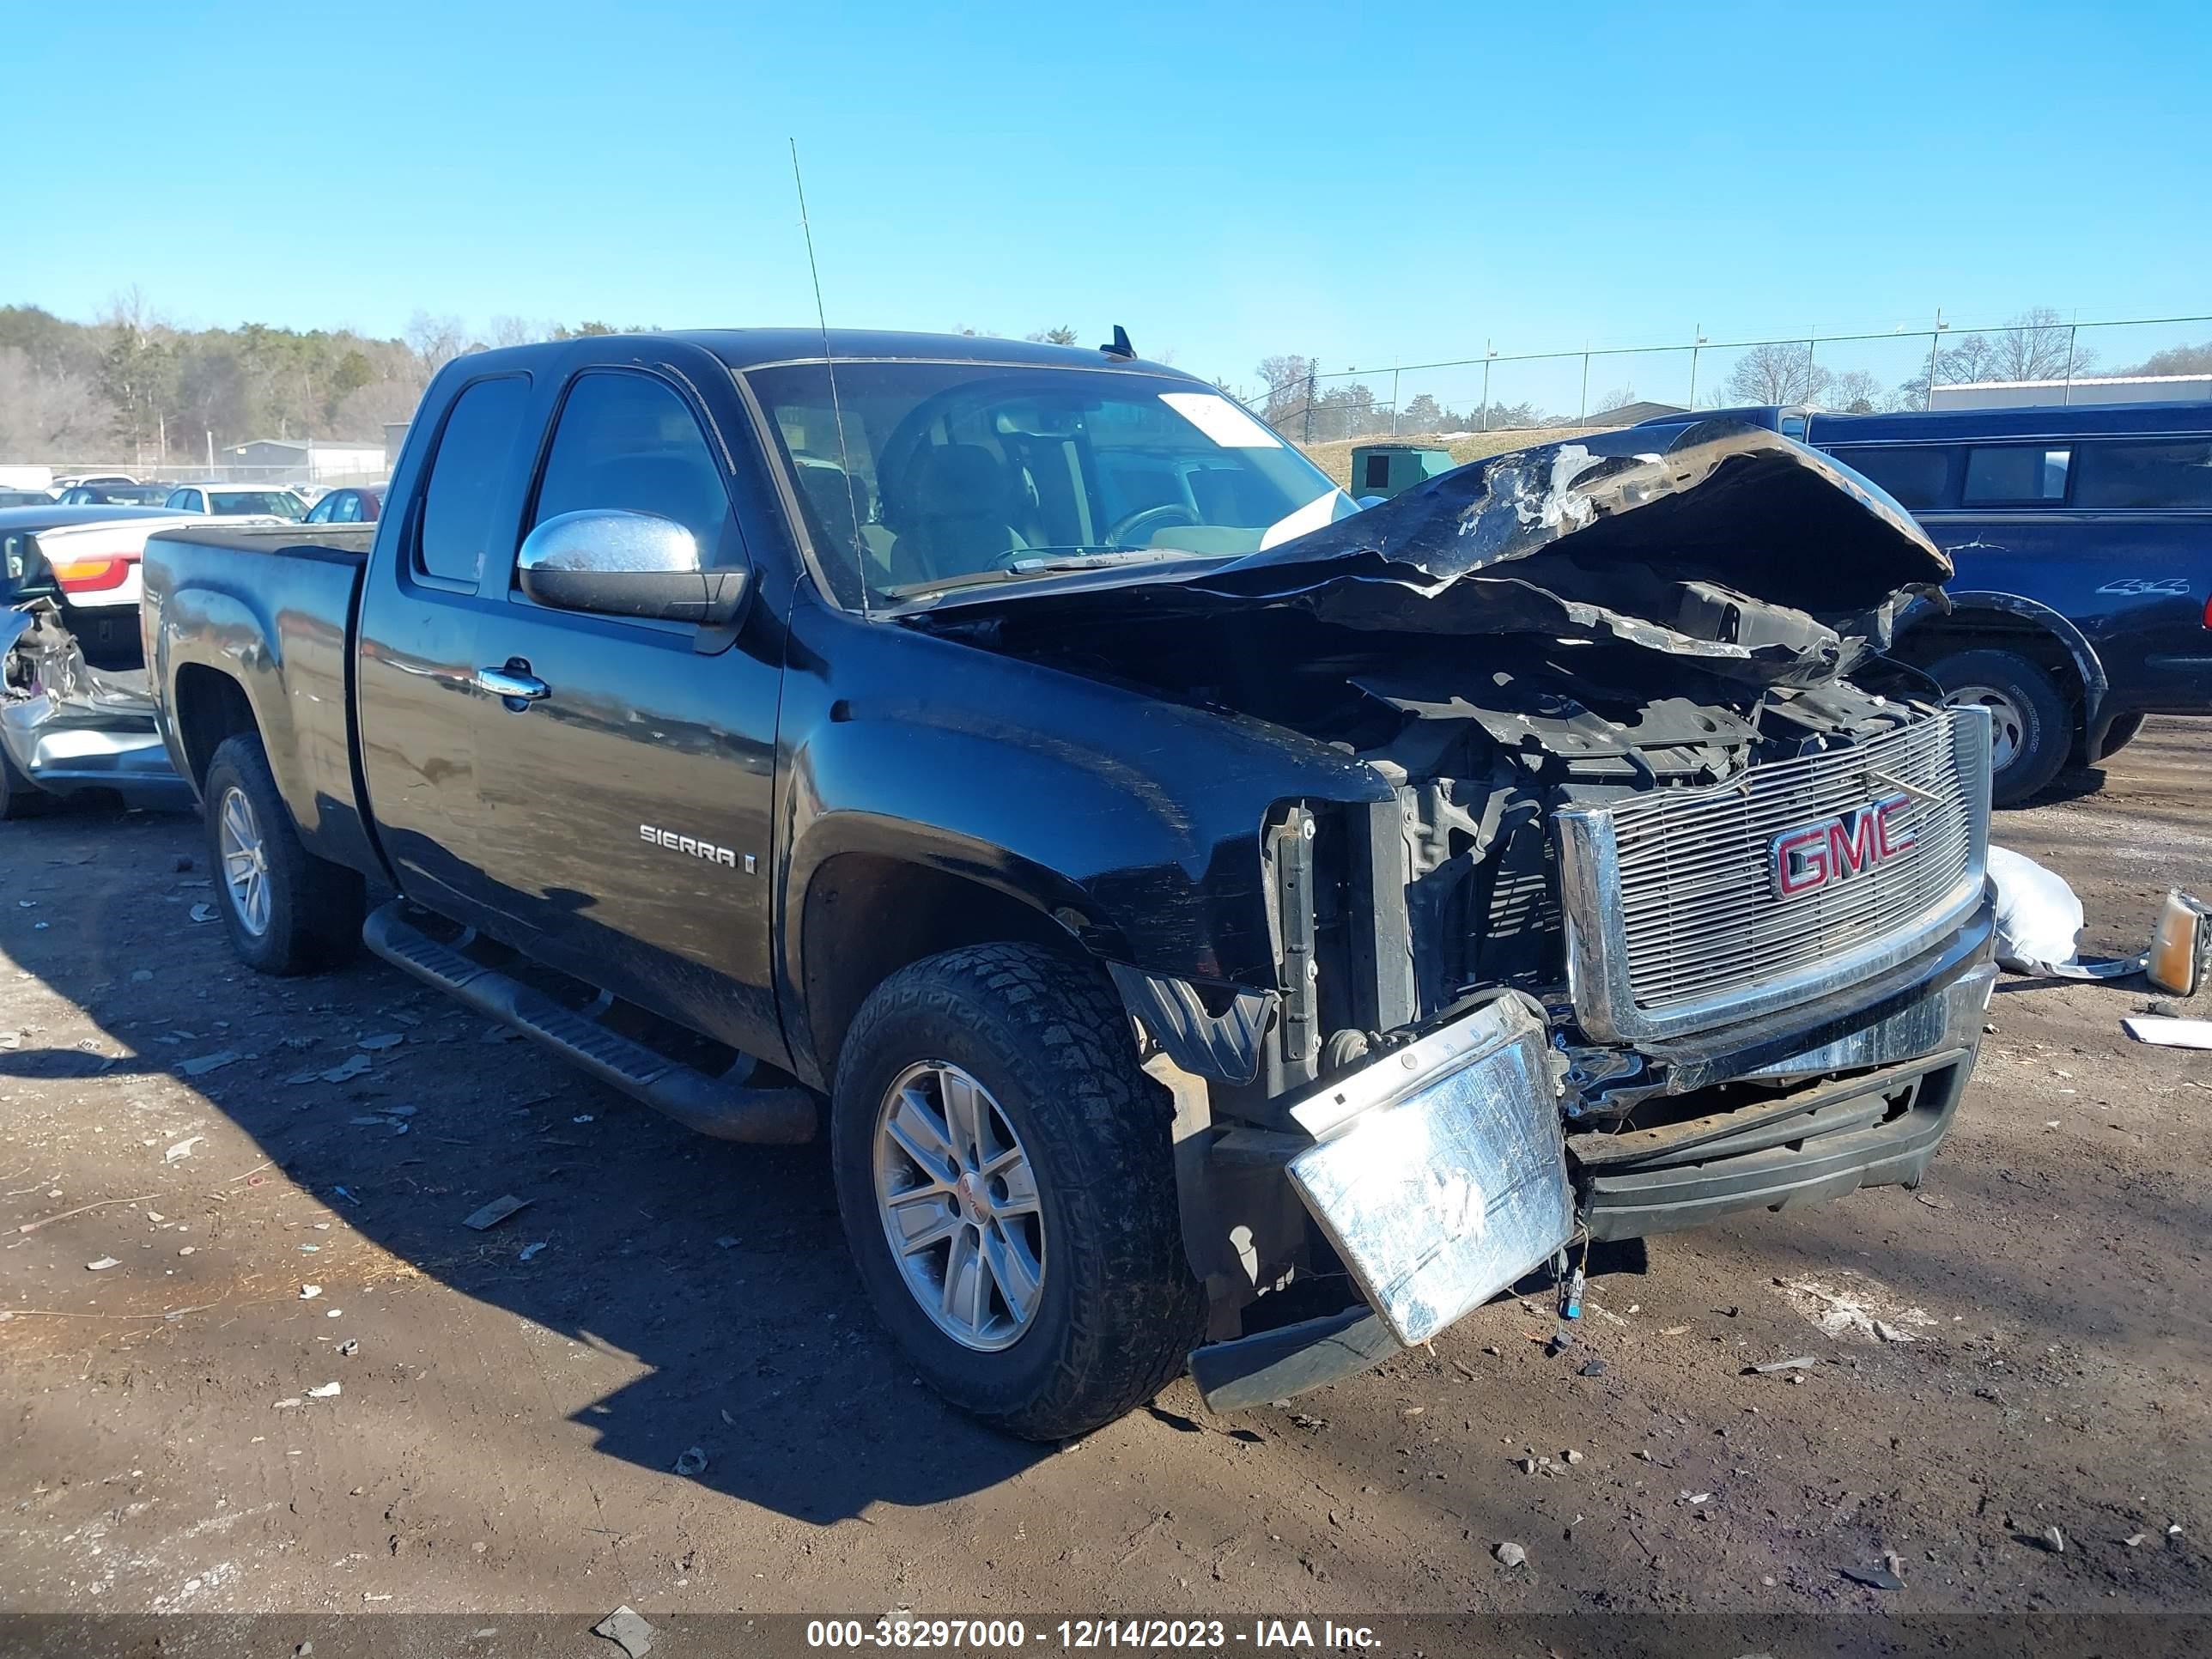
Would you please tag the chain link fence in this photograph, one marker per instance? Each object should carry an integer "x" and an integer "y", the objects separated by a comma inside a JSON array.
[{"x": 2037, "y": 358}]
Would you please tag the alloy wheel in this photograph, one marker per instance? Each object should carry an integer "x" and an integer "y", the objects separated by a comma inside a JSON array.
[{"x": 958, "y": 1197}]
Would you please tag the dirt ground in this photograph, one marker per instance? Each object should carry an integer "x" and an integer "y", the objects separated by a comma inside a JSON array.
[{"x": 303, "y": 1385}]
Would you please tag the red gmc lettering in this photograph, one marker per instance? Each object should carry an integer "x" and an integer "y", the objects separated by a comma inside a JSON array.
[{"x": 1814, "y": 855}]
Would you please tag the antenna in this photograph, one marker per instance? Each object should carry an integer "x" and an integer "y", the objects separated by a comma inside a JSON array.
[{"x": 830, "y": 368}]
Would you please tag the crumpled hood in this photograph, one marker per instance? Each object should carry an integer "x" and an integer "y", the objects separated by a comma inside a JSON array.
[{"x": 1722, "y": 541}]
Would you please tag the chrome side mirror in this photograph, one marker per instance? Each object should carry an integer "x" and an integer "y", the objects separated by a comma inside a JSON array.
[{"x": 614, "y": 562}]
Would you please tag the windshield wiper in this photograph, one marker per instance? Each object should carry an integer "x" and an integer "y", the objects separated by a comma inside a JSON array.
[
  {"x": 1091, "y": 559},
  {"x": 1046, "y": 562}
]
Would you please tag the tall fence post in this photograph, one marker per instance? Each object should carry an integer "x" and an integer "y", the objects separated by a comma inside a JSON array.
[
  {"x": 1394, "y": 403},
  {"x": 1810, "y": 385},
  {"x": 1312, "y": 364},
  {"x": 1488, "y": 354},
  {"x": 2073, "y": 332},
  {"x": 1582, "y": 414}
]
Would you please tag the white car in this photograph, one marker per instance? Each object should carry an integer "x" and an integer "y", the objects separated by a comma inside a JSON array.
[
  {"x": 95, "y": 559},
  {"x": 236, "y": 501}
]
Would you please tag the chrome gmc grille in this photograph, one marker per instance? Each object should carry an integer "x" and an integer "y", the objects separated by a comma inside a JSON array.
[{"x": 1673, "y": 918}]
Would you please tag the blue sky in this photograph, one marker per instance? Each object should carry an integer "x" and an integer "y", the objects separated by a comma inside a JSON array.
[{"x": 1358, "y": 183}]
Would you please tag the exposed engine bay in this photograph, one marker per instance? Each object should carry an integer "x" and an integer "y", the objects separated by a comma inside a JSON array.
[{"x": 1556, "y": 626}]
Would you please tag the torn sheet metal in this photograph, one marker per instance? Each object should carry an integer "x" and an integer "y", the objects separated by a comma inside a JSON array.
[
  {"x": 67, "y": 725},
  {"x": 1732, "y": 544},
  {"x": 1440, "y": 1171}
]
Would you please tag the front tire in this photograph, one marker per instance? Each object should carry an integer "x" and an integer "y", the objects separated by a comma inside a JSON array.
[
  {"x": 989, "y": 1113},
  {"x": 289, "y": 912},
  {"x": 2031, "y": 728}
]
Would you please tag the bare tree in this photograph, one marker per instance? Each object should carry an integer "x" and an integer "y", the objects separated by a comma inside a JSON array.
[
  {"x": 515, "y": 331},
  {"x": 2175, "y": 360},
  {"x": 1615, "y": 399},
  {"x": 45, "y": 412},
  {"x": 1287, "y": 379},
  {"x": 436, "y": 340},
  {"x": 367, "y": 410},
  {"x": 1854, "y": 392},
  {"x": 2036, "y": 346},
  {"x": 1782, "y": 373}
]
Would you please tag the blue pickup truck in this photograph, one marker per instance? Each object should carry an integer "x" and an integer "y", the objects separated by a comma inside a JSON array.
[{"x": 2081, "y": 537}]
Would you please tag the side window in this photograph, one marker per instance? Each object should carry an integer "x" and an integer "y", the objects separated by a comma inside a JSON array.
[
  {"x": 475, "y": 453},
  {"x": 348, "y": 510},
  {"x": 2015, "y": 473},
  {"x": 627, "y": 441},
  {"x": 2123, "y": 475},
  {"x": 320, "y": 512},
  {"x": 1919, "y": 476}
]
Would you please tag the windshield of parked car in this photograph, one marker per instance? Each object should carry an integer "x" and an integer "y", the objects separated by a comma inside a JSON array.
[
  {"x": 952, "y": 474},
  {"x": 278, "y": 503}
]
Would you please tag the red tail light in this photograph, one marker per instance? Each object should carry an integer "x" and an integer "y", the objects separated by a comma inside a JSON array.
[{"x": 100, "y": 573}]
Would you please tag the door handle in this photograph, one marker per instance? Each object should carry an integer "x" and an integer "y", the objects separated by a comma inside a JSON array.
[{"x": 514, "y": 686}]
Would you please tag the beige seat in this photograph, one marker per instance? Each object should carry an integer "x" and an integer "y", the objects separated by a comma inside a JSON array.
[{"x": 957, "y": 516}]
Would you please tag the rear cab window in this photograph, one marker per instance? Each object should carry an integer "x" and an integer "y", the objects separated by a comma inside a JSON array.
[
  {"x": 469, "y": 472},
  {"x": 2012, "y": 474},
  {"x": 1918, "y": 476},
  {"x": 2162, "y": 474}
]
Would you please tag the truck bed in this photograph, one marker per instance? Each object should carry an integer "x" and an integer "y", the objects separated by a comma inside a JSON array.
[
  {"x": 271, "y": 606},
  {"x": 344, "y": 542}
]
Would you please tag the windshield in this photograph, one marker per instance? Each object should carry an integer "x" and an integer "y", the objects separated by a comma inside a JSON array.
[
  {"x": 281, "y": 503},
  {"x": 949, "y": 474}
]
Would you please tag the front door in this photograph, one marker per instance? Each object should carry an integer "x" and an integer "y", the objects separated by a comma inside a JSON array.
[{"x": 626, "y": 810}]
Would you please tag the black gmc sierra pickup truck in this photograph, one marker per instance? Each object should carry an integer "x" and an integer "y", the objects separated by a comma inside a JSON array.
[{"x": 1227, "y": 928}]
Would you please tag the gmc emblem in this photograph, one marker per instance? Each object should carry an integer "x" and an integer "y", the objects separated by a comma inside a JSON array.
[{"x": 1817, "y": 855}]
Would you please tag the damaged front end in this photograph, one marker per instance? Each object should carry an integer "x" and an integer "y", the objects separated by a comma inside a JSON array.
[
  {"x": 1675, "y": 907},
  {"x": 66, "y": 726}
]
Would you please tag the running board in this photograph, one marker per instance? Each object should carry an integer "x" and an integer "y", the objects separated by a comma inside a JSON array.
[{"x": 728, "y": 1107}]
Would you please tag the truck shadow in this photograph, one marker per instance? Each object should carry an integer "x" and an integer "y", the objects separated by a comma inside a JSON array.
[{"x": 720, "y": 1270}]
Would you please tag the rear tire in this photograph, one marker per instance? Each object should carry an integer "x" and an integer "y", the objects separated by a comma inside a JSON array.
[
  {"x": 2032, "y": 727},
  {"x": 1048, "y": 1051},
  {"x": 19, "y": 797},
  {"x": 289, "y": 912}
]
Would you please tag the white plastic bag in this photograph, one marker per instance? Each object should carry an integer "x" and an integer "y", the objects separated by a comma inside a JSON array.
[
  {"x": 2038, "y": 920},
  {"x": 2038, "y": 916}
]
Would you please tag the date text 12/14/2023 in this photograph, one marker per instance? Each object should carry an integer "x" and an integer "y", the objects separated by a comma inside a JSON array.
[{"x": 1167, "y": 1635}]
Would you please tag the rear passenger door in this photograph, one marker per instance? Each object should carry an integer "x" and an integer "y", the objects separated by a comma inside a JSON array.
[
  {"x": 424, "y": 593},
  {"x": 627, "y": 809}
]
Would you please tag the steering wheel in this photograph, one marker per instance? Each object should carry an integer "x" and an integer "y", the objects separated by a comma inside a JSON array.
[{"x": 1145, "y": 520}]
